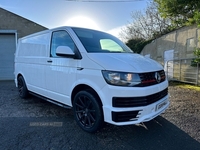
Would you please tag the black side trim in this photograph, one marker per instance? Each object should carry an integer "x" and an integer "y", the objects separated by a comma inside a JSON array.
[{"x": 50, "y": 100}]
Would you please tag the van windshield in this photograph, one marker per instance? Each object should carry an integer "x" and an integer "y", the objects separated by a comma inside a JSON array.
[{"x": 100, "y": 42}]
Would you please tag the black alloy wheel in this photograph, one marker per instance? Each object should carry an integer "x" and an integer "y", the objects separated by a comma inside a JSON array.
[
  {"x": 87, "y": 111},
  {"x": 22, "y": 89}
]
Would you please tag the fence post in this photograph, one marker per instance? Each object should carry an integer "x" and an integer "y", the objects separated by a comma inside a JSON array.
[
  {"x": 167, "y": 70},
  {"x": 197, "y": 74},
  {"x": 180, "y": 70}
]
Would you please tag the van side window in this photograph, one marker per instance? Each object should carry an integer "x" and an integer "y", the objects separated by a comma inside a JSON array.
[{"x": 60, "y": 38}]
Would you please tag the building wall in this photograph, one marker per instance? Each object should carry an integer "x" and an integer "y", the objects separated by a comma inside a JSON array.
[
  {"x": 23, "y": 27},
  {"x": 182, "y": 41},
  {"x": 12, "y": 27}
]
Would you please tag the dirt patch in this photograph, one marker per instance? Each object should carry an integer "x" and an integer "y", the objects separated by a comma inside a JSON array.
[{"x": 184, "y": 110}]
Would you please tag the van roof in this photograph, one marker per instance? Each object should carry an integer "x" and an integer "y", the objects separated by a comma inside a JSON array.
[{"x": 53, "y": 29}]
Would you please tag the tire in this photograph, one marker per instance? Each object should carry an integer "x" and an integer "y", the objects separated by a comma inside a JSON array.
[
  {"x": 87, "y": 111},
  {"x": 22, "y": 89}
]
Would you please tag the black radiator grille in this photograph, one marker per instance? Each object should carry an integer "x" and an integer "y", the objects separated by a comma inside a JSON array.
[
  {"x": 151, "y": 78},
  {"x": 138, "y": 101}
]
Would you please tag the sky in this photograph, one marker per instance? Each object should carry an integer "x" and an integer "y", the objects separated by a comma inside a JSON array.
[{"x": 96, "y": 14}]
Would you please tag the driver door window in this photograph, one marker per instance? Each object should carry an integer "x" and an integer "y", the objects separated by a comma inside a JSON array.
[{"x": 60, "y": 38}]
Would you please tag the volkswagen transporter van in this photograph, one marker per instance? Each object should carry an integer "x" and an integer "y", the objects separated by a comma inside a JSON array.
[{"x": 92, "y": 72}]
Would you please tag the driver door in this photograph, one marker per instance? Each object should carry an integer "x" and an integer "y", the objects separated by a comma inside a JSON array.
[{"x": 61, "y": 70}]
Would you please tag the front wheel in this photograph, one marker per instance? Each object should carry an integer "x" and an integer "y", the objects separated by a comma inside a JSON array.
[{"x": 87, "y": 111}]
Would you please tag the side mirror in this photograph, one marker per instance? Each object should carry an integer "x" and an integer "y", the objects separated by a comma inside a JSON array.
[{"x": 64, "y": 51}]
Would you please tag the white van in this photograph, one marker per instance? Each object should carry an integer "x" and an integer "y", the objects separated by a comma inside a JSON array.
[{"x": 92, "y": 72}]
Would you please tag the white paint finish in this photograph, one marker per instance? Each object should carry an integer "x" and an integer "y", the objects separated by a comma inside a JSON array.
[
  {"x": 125, "y": 62},
  {"x": 60, "y": 75},
  {"x": 56, "y": 77}
]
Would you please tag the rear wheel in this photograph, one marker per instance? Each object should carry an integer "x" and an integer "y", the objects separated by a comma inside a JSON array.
[
  {"x": 22, "y": 89},
  {"x": 87, "y": 111}
]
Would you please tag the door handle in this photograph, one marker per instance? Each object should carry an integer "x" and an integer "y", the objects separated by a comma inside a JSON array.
[{"x": 49, "y": 61}]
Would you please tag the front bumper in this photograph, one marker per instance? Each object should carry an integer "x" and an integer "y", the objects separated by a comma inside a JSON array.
[{"x": 134, "y": 114}]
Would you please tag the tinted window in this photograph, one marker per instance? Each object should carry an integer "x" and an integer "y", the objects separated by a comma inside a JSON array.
[
  {"x": 108, "y": 44},
  {"x": 100, "y": 42},
  {"x": 60, "y": 38}
]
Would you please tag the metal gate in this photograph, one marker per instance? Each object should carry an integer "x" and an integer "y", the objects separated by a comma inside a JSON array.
[{"x": 185, "y": 70}]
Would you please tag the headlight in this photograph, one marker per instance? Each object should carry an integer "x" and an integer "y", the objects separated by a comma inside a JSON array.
[{"x": 121, "y": 78}]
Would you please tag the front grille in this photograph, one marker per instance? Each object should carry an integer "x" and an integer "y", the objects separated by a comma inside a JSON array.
[
  {"x": 124, "y": 116},
  {"x": 138, "y": 101},
  {"x": 151, "y": 78}
]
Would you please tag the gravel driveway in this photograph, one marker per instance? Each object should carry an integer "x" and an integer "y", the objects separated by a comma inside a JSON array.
[
  {"x": 184, "y": 110},
  {"x": 36, "y": 124}
]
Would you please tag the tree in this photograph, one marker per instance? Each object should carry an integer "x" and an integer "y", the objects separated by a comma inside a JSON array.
[
  {"x": 136, "y": 45},
  {"x": 197, "y": 54},
  {"x": 146, "y": 24},
  {"x": 181, "y": 12}
]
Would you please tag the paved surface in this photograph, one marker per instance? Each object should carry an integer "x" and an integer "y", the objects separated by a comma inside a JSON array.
[{"x": 36, "y": 124}]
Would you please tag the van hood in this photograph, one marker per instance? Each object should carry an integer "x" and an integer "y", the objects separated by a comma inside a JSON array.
[{"x": 125, "y": 62}]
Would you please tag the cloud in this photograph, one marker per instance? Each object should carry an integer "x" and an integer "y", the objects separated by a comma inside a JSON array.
[{"x": 116, "y": 31}]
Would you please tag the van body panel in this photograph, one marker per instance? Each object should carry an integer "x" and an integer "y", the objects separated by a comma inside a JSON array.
[
  {"x": 60, "y": 71},
  {"x": 88, "y": 63},
  {"x": 126, "y": 62},
  {"x": 32, "y": 58}
]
